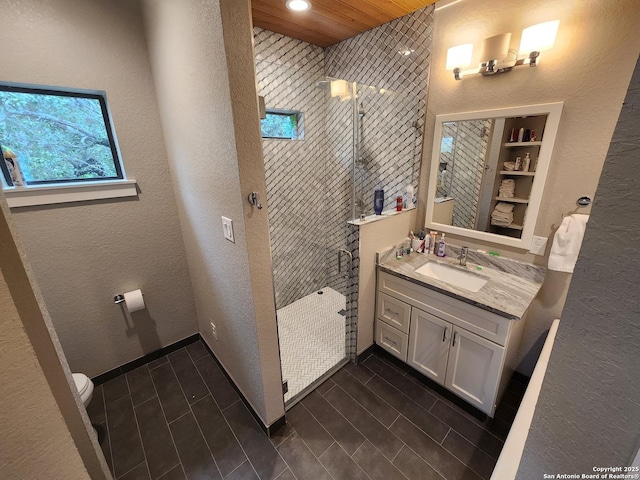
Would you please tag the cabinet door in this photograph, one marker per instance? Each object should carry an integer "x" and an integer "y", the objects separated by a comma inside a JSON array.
[
  {"x": 474, "y": 369},
  {"x": 429, "y": 338}
]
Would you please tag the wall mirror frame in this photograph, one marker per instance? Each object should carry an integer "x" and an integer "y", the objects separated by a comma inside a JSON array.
[{"x": 500, "y": 147}]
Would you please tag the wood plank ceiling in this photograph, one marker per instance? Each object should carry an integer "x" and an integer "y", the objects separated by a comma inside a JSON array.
[{"x": 330, "y": 21}]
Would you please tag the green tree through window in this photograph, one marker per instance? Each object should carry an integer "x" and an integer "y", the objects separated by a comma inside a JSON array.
[
  {"x": 281, "y": 125},
  {"x": 57, "y": 136}
]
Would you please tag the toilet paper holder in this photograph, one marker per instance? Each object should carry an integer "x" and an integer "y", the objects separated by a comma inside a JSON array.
[{"x": 118, "y": 299}]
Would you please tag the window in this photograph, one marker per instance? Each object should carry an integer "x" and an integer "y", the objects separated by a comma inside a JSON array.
[
  {"x": 52, "y": 136},
  {"x": 447, "y": 145},
  {"x": 282, "y": 124}
]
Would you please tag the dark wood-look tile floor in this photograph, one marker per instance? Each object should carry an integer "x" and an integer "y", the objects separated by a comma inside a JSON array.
[{"x": 179, "y": 418}]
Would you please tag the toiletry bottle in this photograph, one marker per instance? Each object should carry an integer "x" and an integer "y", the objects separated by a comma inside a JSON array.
[
  {"x": 442, "y": 247},
  {"x": 526, "y": 162},
  {"x": 410, "y": 198},
  {"x": 399, "y": 203},
  {"x": 521, "y": 135},
  {"x": 378, "y": 201},
  {"x": 432, "y": 242},
  {"x": 518, "y": 163}
]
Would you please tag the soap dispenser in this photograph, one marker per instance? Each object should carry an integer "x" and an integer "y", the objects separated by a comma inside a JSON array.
[{"x": 442, "y": 247}]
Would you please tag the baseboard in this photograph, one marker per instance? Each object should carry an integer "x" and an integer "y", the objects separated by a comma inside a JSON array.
[
  {"x": 138, "y": 362},
  {"x": 520, "y": 377},
  {"x": 150, "y": 357},
  {"x": 365, "y": 353},
  {"x": 270, "y": 430}
]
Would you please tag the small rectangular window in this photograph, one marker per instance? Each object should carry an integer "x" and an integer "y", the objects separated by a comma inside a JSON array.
[
  {"x": 282, "y": 124},
  {"x": 50, "y": 137}
]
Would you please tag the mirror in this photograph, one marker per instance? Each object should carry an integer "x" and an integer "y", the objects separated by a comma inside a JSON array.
[{"x": 488, "y": 170}]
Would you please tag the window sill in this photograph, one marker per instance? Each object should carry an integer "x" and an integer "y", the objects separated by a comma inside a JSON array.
[{"x": 74, "y": 192}]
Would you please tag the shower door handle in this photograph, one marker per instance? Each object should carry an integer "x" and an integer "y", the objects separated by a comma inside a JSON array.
[{"x": 340, "y": 252}]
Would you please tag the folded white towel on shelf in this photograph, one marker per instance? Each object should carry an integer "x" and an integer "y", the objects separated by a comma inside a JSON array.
[
  {"x": 502, "y": 215},
  {"x": 509, "y": 166},
  {"x": 567, "y": 242},
  {"x": 507, "y": 188},
  {"x": 501, "y": 223},
  {"x": 504, "y": 207}
]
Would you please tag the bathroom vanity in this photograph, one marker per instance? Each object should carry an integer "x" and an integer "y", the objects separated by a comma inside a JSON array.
[{"x": 459, "y": 326}]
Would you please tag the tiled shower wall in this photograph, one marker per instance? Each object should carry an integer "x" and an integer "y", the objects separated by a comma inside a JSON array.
[
  {"x": 309, "y": 181},
  {"x": 288, "y": 71},
  {"x": 394, "y": 57},
  {"x": 465, "y": 167}
]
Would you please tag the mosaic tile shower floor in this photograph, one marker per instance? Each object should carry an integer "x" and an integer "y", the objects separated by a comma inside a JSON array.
[{"x": 312, "y": 338}]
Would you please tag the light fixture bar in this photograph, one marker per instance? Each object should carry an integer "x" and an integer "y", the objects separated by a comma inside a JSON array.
[{"x": 535, "y": 39}]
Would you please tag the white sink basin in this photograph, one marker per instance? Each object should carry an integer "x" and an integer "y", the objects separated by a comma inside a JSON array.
[{"x": 453, "y": 276}]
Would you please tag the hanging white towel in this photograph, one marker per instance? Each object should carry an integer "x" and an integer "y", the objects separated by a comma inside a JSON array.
[{"x": 567, "y": 242}]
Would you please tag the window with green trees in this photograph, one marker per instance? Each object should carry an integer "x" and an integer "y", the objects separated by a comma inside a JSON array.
[
  {"x": 51, "y": 136},
  {"x": 282, "y": 124}
]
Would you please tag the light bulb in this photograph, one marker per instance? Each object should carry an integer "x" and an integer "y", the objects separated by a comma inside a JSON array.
[
  {"x": 539, "y": 38},
  {"x": 459, "y": 56},
  {"x": 298, "y": 5}
]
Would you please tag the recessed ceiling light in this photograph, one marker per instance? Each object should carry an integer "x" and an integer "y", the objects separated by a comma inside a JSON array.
[{"x": 298, "y": 5}]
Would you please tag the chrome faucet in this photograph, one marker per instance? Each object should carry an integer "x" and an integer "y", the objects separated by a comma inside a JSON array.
[{"x": 463, "y": 256}]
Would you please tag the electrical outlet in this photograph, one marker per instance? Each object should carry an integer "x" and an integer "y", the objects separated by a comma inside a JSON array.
[
  {"x": 538, "y": 245},
  {"x": 213, "y": 331},
  {"x": 227, "y": 229}
]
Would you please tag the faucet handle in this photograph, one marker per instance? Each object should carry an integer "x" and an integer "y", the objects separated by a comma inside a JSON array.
[{"x": 463, "y": 256}]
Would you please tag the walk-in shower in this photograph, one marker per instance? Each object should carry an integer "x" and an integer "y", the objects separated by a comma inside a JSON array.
[{"x": 356, "y": 138}]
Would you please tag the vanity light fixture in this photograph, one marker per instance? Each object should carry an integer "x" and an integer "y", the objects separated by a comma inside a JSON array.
[
  {"x": 298, "y": 5},
  {"x": 496, "y": 56}
]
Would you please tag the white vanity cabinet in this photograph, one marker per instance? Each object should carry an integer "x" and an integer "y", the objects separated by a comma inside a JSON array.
[{"x": 468, "y": 350}]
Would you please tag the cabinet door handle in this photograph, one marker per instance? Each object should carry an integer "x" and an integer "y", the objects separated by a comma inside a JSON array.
[
  {"x": 392, "y": 312},
  {"x": 444, "y": 334},
  {"x": 387, "y": 339},
  {"x": 455, "y": 336}
]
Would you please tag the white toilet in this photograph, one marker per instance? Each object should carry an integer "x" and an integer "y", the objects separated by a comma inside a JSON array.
[{"x": 84, "y": 386}]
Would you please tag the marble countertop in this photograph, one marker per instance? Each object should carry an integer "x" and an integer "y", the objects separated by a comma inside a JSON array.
[{"x": 510, "y": 289}]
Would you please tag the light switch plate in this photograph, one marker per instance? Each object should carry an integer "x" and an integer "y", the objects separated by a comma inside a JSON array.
[
  {"x": 227, "y": 229},
  {"x": 538, "y": 245}
]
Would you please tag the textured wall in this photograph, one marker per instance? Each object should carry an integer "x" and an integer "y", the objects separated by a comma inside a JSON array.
[
  {"x": 588, "y": 412},
  {"x": 187, "y": 51},
  {"x": 30, "y": 417},
  {"x": 594, "y": 37},
  {"x": 84, "y": 253},
  {"x": 238, "y": 43},
  {"x": 38, "y": 404},
  {"x": 288, "y": 72}
]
